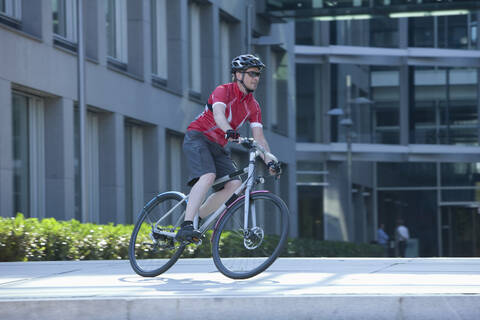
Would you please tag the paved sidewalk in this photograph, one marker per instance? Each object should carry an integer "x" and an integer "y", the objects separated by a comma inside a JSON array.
[{"x": 292, "y": 288}]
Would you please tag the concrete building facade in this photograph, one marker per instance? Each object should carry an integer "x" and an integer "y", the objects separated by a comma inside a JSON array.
[{"x": 150, "y": 67}]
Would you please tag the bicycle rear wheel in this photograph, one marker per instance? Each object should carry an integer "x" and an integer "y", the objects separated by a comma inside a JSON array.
[
  {"x": 151, "y": 253},
  {"x": 241, "y": 253}
]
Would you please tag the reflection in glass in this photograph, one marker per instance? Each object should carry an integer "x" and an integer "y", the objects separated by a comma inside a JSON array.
[
  {"x": 361, "y": 104},
  {"x": 58, "y": 10},
  {"x": 279, "y": 114},
  {"x": 20, "y": 154},
  {"x": 384, "y": 33},
  {"x": 308, "y": 103},
  {"x": 111, "y": 22},
  {"x": 310, "y": 212},
  {"x": 407, "y": 174},
  {"x": 453, "y": 32},
  {"x": 418, "y": 210},
  {"x": 386, "y": 94},
  {"x": 421, "y": 33},
  {"x": 460, "y": 174},
  {"x": 445, "y": 108}
]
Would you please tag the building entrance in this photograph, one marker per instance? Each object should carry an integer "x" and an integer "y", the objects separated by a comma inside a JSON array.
[{"x": 460, "y": 231}]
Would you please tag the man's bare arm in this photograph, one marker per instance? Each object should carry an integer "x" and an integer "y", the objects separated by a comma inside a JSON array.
[{"x": 219, "y": 116}]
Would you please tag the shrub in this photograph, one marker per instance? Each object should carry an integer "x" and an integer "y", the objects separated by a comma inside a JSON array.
[{"x": 48, "y": 239}]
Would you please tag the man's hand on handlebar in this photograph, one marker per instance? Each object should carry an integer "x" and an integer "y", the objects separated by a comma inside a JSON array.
[
  {"x": 232, "y": 135},
  {"x": 275, "y": 168}
]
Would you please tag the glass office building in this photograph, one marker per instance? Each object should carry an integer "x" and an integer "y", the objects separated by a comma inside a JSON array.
[
  {"x": 398, "y": 94},
  {"x": 150, "y": 67}
]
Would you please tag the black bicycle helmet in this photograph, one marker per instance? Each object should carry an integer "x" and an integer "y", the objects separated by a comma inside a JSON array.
[{"x": 246, "y": 61}]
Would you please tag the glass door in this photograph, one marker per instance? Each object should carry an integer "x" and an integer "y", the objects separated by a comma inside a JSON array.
[{"x": 460, "y": 231}]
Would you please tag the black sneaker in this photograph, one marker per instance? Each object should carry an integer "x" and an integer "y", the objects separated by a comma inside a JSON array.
[{"x": 187, "y": 233}]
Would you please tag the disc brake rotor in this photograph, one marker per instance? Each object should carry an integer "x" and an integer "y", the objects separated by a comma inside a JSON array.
[{"x": 253, "y": 238}]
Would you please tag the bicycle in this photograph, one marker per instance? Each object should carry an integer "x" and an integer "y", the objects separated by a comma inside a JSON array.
[{"x": 249, "y": 230}]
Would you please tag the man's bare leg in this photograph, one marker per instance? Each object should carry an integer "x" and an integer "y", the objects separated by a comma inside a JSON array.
[
  {"x": 197, "y": 195},
  {"x": 218, "y": 198}
]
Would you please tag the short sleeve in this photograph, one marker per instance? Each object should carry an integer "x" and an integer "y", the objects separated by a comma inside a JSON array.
[
  {"x": 220, "y": 94},
  {"x": 255, "y": 115}
]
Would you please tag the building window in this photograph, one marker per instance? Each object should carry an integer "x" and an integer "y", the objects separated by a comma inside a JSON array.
[
  {"x": 445, "y": 109},
  {"x": 195, "y": 38},
  {"x": 134, "y": 171},
  {"x": 116, "y": 24},
  {"x": 311, "y": 180},
  {"x": 29, "y": 155},
  {"x": 309, "y": 102},
  {"x": 453, "y": 32},
  {"x": 225, "y": 52},
  {"x": 384, "y": 33},
  {"x": 11, "y": 9},
  {"x": 421, "y": 32},
  {"x": 159, "y": 38},
  {"x": 176, "y": 163},
  {"x": 65, "y": 19},
  {"x": 385, "y": 91}
]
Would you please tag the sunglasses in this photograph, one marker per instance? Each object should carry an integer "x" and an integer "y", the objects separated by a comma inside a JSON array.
[{"x": 253, "y": 74}]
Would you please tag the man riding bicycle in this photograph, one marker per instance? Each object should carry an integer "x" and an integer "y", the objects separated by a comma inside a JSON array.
[{"x": 228, "y": 107}]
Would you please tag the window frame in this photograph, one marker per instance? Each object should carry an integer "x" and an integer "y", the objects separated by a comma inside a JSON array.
[
  {"x": 159, "y": 34},
  {"x": 195, "y": 80},
  {"x": 225, "y": 51},
  {"x": 13, "y": 9},
  {"x": 69, "y": 17},
  {"x": 120, "y": 41},
  {"x": 35, "y": 155}
]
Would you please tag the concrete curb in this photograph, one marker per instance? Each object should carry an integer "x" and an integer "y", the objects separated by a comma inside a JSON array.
[{"x": 254, "y": 307}]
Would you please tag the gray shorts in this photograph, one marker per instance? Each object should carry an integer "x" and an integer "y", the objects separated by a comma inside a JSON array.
[{"x": 204, "y": 156}]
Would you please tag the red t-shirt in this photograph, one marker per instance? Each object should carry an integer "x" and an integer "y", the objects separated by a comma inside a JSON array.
[{"x": 238, "y": 109}]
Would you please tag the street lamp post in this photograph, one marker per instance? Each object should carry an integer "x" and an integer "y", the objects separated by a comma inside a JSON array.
[{"x": 347, "y": 122}]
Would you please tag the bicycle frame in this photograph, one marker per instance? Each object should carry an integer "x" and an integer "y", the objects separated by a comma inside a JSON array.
[{"x": 246, "y": 187}]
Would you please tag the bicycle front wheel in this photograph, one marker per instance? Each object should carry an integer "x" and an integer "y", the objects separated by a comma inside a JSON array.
[
  {"x": 151, "y": 252},
  {"x": 241, "y": 253}
]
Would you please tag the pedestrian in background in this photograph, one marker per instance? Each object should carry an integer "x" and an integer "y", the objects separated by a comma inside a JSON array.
[
  {"x": 401, "y": 237},
  {"x": 382, "y": 238}
]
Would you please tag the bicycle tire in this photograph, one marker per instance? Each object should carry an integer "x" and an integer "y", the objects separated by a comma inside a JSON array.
[
  {"x": 241, "y": 254},
  {"x": 158, "y": 253}
]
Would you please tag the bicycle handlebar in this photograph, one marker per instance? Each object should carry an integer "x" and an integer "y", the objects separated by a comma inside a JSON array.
[{"x": 251, "y": 143}]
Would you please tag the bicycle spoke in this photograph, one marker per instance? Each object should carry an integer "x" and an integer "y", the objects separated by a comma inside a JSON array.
[
  {"x": 151, "y": 252},
  {"x": 240, "y": 253}
]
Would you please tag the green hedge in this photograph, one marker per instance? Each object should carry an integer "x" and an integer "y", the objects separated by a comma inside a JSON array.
[{"x": 47, "y": 240}]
